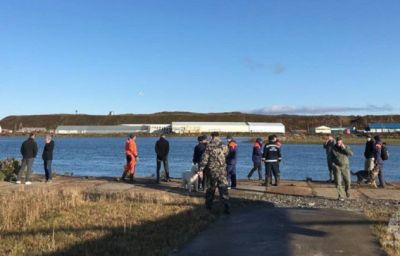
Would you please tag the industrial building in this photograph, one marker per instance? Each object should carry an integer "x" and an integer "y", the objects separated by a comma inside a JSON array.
[
  {"x": 99, "y": 129},
  {"x": 32, "y": 129},
  {"x": 226, "y": 127},
  {"x": 113, "y": 129},
  {"x": 383, "y": 127}
]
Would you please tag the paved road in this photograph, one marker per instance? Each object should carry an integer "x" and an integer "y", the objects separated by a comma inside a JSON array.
[{"x": 277, "y": 231}]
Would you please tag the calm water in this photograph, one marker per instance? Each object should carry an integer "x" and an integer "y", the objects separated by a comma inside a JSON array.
[{"x": 105, "y": 157}]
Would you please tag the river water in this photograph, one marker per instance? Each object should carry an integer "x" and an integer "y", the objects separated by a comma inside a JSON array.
[{"x": 105, "y": 157}]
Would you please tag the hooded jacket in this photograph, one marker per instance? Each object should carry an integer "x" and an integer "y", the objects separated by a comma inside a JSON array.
[
  {"x": 162, "y": 149},
  {"x": 378, "y": 153},
  {"x": 257, "y": 152},
  {"x": 198, "y": 153},
  {"x": 272, "y": 153},
  {"x": 29, "y": 149},
  {"x": 131, "y": 149},
  {"x": 328, "y": 146},
  {"x": 369, "y": 149},
  {"x": 48, "y": 151},
  {"x": 340, "y": 155},
  {"x": 231, "y": 158}
]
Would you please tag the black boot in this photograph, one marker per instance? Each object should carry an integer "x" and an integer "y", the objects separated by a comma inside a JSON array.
[
  {"x": 267, "y": 182},
  {"x": 123, "y": 176},
  {"x": 132, "y": 179}
]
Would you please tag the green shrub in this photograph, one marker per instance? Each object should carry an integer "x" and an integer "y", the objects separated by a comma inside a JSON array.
[{"x": 9, "y": 169}]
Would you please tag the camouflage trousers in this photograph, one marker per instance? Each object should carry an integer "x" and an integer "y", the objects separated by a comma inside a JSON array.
[
  {"x": 214, "y": 182},
  {"x": 342, "y": 175}
]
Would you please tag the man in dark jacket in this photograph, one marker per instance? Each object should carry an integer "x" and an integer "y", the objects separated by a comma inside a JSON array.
[
  {"x": 47, "y": 157},
  {"x": 231, "y": 161},
  {"x": 198, "y": 156},
  {"x": 29, "y": 151},
  {"x": 369, "y": 154},
  {"x": 272, "y": 157},
  {"x": 328, "y": 146},
  {"x": 257, "y": 157},
  {"x": 162, "y": 151},
  {"x": 378, "y": 159}
]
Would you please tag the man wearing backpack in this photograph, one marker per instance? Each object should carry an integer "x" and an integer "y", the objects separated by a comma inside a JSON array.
[{"x": 381, "y": 155}]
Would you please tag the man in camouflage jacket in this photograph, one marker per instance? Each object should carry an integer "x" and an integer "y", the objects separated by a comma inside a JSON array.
[
  {"x": 340, "y": 161},
  {"x": 214, "y": 160}
]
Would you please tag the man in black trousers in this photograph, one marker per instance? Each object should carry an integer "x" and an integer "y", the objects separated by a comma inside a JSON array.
[
  {"x": 272, "y": 157},
  {"x": 162, "y": 151},
  {"x": 47, "y": 157}
]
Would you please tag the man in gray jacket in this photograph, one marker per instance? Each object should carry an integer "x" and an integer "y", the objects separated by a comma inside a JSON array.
[
  {"x": 340, "y": 161},
  {"x": 328, "y": 146}
]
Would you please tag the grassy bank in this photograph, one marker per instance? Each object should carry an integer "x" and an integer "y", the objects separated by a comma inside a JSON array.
[
  {"x": 381, "y": 217},
  {"x": 74, "y": 222}
]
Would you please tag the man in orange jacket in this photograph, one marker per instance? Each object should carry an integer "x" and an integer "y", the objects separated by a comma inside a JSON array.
[{"x": 131, "y": 157}]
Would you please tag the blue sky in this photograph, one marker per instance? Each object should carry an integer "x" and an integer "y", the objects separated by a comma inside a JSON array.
[{"x": 301, "y": 57}]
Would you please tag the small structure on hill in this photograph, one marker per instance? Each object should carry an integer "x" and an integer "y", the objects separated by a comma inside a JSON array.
[{"x": 323, "y": 130}]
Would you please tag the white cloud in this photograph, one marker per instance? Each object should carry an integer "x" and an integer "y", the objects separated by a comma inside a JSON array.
[{"x": 141, "y": 94}]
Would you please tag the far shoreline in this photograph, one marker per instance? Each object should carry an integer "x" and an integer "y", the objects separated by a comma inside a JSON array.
[{"x": 288, "y": 138}]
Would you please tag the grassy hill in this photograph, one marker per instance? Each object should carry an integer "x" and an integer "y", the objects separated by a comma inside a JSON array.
[{"x": 291, "y": 122}]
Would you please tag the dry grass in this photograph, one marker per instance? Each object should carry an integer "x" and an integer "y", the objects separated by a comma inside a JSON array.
[
  {"x": 74, "y": 222},
  {"x": 381, "y": 216}
]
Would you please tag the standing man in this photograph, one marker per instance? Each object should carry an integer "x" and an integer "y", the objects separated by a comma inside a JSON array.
[
  {"x": 47, "y": 157},
  {"x": 131, "y": 153},
  {"x": 231, "y": 161},
  {"x": 379, "y": 147},
  {"x": 272, "y": 157},
  {"x": 340, "y": 157},
  {"x": 198, "y": 156},
  {"x": 369, "y": 154},
  {"x": 29, "y": 151},
  {"x": 257, "y": 157},
  {"x": 328, "y": 146},
  {"x": 214, "y": 160},
  {"x": 162, "y": 151}
]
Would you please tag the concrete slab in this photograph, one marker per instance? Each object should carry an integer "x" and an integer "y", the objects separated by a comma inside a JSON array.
[
  {"x": 283, "y": 232},
  {"x": 382, "y": 194}
]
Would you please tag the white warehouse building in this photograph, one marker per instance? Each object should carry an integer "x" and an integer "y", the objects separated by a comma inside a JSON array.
[
  {"x": 99, "y": 129},
  {"x": 226, "y": 127}
]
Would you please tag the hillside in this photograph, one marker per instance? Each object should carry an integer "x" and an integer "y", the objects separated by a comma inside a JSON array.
[{"x": 291, "y": 122}]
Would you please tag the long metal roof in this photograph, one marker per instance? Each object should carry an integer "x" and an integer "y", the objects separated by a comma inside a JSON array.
[
  {"x": 265, "y": 124},
  {"x": 384, "y": 126}
]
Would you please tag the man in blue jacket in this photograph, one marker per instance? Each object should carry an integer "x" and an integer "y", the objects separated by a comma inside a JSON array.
[
  {"x": 272, "y": 157},
  {"x": 379, "y": 160},
  {"x": 257, "y": 157},
  {"x": 231, "y": 160}
]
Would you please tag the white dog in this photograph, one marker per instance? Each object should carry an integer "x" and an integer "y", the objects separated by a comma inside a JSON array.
[{"x": 191, "y": 178}]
